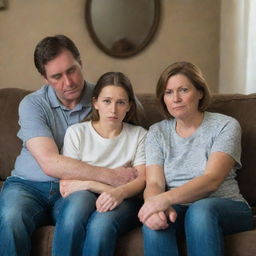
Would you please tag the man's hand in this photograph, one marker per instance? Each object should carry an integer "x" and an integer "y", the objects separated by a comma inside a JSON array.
[
  {"x": 124, "y": 175},
  {"x": 68, "y": 187},
  {"x": 153, "y": 205}
]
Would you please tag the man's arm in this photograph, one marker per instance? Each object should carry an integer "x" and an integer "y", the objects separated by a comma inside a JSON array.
[{"x": 46, "y": 153}]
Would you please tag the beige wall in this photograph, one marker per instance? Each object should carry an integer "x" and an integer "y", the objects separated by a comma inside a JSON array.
[{"x": 189, "y": 30}]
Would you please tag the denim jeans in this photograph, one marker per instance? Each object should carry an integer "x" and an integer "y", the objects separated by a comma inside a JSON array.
[
  {"x": 71, "y": 215},
  {"x": 24, "y": 206},
  {"x": 204, "y": 222},
  {"x": 81, "y": 230},
  {"x": 103, "y": 229}
]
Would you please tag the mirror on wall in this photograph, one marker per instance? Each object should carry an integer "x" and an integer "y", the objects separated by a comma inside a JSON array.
[{"x": 122, "y": 28}]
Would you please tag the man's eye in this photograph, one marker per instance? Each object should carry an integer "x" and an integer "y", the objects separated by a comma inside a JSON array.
[
  {"x": 57, "y": 77},
  {"x": 71, "y": 70}
]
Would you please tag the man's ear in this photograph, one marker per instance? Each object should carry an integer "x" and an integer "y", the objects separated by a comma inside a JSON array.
[{"x": 45, "y": 79}]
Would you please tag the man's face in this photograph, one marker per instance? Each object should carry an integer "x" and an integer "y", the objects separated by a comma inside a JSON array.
[{"x": 64, "y": 74}]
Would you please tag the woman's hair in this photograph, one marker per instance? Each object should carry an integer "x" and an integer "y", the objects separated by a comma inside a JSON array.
[
  {"x": 120, "y": 80},
  {"x": 193, "y": 73},
  {"x": 50, "y": 47}
]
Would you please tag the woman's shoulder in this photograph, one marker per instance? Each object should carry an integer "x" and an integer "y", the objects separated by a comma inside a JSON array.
[
  {"x": 162, "y": 124},
  {"x": 219, "y": 118}
]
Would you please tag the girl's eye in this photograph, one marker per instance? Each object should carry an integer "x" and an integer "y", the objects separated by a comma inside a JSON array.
[{"x": 168, "y": 92}]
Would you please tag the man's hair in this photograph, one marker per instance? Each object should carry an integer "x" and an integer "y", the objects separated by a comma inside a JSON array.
[
  {"x": 194, "y": 75},
  {"x": 50, "y": 47}
]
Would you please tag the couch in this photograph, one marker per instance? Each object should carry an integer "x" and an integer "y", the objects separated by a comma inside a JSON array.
[{"x": 242, "y": 107}]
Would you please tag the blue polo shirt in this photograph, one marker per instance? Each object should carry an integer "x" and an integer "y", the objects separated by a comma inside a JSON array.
[{"x": 41, "y": 114}]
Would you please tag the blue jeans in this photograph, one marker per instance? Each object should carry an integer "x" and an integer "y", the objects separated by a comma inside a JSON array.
[
  {"x": 103, "y": 229},
  {"x": 71, "y": 216},
  {"x": 24, "y": 206},
  {"x": 204, "y": 222},
  {"x": 92, "y": 233}
]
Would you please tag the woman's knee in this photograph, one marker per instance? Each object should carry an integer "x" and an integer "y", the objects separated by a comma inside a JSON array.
[{"x": 202, "y": 214}]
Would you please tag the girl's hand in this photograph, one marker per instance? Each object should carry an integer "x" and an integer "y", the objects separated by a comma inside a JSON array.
[
  {"x": 108, "y": 201},
  {"x": 68, "y": 187}
]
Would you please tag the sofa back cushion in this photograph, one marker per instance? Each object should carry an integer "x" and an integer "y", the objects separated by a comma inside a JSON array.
[
  {"x": 10, "y": 144},
  {"x": 241, "y": 107}
]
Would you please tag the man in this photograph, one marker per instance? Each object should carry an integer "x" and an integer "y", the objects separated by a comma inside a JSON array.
[{"x": 30, "y": 197}]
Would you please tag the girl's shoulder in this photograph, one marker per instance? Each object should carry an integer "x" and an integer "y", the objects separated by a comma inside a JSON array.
[{"x": 134, "y": 128}]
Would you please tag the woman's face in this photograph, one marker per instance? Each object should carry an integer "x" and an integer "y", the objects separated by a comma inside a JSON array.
[
  {"x": 181, "y": 97},
  {"x": 112, "y": 104}
]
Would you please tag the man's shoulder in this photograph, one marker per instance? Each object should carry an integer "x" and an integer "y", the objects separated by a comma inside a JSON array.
[{"x": 39, "y": 95}]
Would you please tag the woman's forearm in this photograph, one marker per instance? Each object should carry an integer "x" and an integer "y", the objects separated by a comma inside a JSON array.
[{"x": 152, "y": 190}]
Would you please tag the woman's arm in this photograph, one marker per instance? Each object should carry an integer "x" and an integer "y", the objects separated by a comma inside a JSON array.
[{"x": 217, "y": 169}]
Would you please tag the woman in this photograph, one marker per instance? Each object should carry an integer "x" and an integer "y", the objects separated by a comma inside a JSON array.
[
  {"x": 110, "y": 139},
  {"x": 191, "y": 160}
]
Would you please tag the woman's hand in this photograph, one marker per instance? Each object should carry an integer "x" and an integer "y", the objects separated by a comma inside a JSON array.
[
  {"x": 157, "y": 221},
  {"x": 108, "y": 201},
  {"x": 153, "y": 205},
  {"x": 161, "y": 220},
  {"x": 68, "y": 187}
]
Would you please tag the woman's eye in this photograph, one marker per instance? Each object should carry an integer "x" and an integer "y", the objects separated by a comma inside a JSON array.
[
  {"x": 106, "y": 101},
  {"x": 183, "y": 90}
]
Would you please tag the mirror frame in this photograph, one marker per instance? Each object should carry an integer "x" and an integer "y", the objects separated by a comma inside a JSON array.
[{"x": 101, "y": 46}]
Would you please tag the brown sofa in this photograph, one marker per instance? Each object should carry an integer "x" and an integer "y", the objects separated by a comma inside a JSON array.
[{"x": 242, "y": 107}]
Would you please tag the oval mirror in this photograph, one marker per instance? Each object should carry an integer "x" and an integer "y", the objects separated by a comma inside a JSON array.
[{"x": 122, "y": 28}]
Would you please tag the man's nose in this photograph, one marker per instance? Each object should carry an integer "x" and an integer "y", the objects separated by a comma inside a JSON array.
[{"x": 67, "y": 80}]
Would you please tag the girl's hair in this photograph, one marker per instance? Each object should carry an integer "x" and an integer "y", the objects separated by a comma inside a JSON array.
[
  {"x": 120, "y": 80},
  {"x": 193, "y": 73}
]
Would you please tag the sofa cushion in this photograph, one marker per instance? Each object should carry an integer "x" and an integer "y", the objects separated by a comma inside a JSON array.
[{"x": 10, "y": 144}]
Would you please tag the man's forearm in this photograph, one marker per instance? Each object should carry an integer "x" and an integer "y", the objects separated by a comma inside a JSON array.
[{"x": 67, "y": 168}]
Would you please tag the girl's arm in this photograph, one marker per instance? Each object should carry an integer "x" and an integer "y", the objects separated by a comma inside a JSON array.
[
  {"x": 217, "y": 169},
  {"x": 111, "y": 198}
]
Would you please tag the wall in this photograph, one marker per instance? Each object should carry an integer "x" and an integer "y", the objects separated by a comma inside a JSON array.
[
  {"x": 189, "y": 30},
  {"x": 237, "y": 47}
]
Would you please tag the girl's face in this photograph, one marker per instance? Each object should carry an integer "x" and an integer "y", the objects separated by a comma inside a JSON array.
[
  {"x": 181, "y": 97},
  {"x": 112, "y": 104}
]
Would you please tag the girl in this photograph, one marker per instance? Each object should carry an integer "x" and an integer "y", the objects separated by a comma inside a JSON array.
[{"x": 95, "y": 214}]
